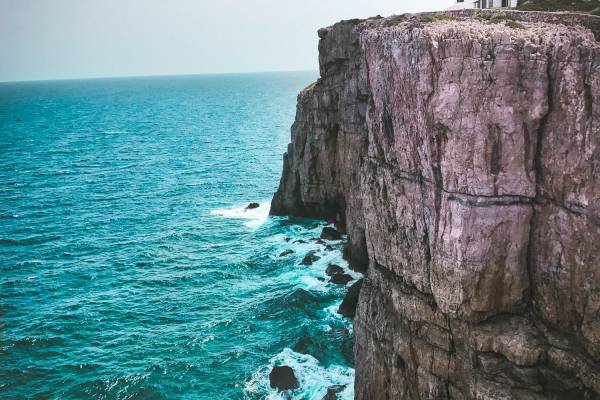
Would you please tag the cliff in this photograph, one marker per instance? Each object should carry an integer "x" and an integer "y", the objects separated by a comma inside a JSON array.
[{"x": 461, "y": 154}]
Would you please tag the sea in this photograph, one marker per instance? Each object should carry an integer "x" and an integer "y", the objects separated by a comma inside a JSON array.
[{"x": 130, "y": 267}]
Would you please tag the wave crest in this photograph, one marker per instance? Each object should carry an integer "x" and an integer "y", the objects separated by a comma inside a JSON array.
[{"x": 255, "y": 217}]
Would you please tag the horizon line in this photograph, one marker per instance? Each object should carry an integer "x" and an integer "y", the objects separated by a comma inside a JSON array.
[{"x": 166, "y": 75}]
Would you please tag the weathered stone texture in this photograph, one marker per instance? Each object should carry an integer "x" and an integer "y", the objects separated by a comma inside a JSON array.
[{"x": 462, "y": 157}]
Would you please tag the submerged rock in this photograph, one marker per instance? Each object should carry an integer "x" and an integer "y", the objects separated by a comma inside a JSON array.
[
  {"x": 330, "y": 233},
  {"x": 348, "y": 306},
  {"x": 252, "y": 206},
  {"x": 286, "y": 253},
  {"x": 340, "y": 279},
  {"x": 310, "y": 258},
  {"x": 333, "y": 269},
  {"x": 308, "y": 346},
  {"x": 283, "y": 378}
]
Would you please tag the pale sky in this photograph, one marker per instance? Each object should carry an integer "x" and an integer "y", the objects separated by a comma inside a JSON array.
[{"x": 59, "y": 39}]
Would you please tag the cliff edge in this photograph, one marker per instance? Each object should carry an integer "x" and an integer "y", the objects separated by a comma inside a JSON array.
[{"x": 461, "y": 154}]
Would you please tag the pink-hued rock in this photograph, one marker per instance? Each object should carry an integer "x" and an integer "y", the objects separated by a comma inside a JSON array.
[{"x": 462, "y": 157}]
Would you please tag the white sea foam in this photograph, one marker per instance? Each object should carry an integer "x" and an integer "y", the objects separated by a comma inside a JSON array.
[
  {"x": 313, "y": 378},
  {"x": 331, "y": 316},
  {"x": 254, "y": 217},
  {"x": 302, "y": 241}
]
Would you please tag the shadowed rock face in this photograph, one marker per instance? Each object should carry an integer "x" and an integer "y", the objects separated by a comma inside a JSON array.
[{"x": 462, "y": 158}]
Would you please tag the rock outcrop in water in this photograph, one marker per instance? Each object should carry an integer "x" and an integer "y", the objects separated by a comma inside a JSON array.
[
  {"x": 283, "y": 378},
  {"x": 462, "y": 157}
]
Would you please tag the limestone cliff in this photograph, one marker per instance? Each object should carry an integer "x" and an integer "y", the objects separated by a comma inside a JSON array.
[{"x": 461, "y": 154}]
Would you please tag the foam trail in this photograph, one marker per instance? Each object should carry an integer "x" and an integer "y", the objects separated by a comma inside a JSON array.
[{"x": 254, "y": 217}]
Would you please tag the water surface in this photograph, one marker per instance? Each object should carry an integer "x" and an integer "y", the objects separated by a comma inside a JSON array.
[{"x": 129, "y": 267}]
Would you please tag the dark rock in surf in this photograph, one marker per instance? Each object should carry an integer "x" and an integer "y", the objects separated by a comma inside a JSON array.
[
  {"x": 333, "y": 269},
  {"x": 286, "y": 253},
  {"x": 283, "y": 378},
  {"x": 348, "y": 306},
  {"x": 310, "y": 258},
  {"x": 330, "y": 233},
  {"x": 333, "y": 391},
  {"x": 340, "y": 279},
  {"x": 252, "y": 206}
]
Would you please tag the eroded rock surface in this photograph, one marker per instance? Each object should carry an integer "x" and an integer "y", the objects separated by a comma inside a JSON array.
[{"x": 462, "y": 158}]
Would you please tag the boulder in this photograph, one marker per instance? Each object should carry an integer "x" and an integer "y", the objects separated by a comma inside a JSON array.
[
  {"x": 333, "y": 269},
  {"x": 348, "y": 306},
  {"x": 340, "y": 279},
  {"x": 252, "y": 206},
  {"x": 310, "y": 258},
  {"x": 330, "y": 233},
  {"x": 283, "y": 378},
  {"x": 333, "y": 391}
]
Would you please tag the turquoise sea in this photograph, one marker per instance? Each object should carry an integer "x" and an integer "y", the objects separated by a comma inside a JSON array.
[{"x": 129, "y": 267}]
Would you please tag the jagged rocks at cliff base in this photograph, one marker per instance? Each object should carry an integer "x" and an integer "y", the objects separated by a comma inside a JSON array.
[
  {"x": 348, "y": 306},
  {"x": 333, "y": 269},
  {"x": 283, "y": 378},
  {"x": 340, "y": 279},
  {"x": 330, "y": 233},
  {"x": 460, "y": 154}
]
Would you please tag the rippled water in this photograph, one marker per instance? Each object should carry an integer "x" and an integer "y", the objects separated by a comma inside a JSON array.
[{"x": 129, "y": 267}]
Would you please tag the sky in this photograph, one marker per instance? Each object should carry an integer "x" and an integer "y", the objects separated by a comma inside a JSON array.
[{"x": 70, "y": 39}]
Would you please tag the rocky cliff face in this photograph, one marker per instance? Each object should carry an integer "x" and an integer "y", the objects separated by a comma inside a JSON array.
[{"x": 461, "y": 153}]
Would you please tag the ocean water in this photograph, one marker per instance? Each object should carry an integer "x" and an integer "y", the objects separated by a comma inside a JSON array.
[{"x": 129, "y": 267}]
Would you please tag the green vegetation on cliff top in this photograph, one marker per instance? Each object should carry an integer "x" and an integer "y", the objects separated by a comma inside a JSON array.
[{"x": 587, "y": 6}]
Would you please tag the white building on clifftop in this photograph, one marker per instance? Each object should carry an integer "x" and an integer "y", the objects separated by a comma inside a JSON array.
[{"x": 464, "y": 4}]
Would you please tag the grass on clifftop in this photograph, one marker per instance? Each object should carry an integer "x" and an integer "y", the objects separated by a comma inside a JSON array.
[
  {"x": 500, "y": 18},
  {"x": 586, "y": 6}
]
